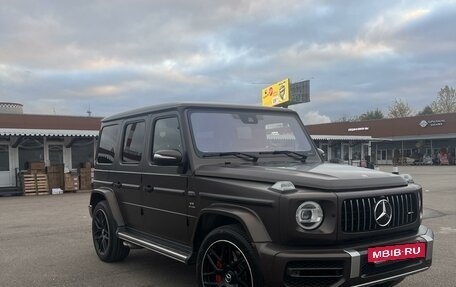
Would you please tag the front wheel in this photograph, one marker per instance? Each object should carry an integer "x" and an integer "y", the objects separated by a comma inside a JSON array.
[
  {"x": 227, "y": 259},
  {"x": 108, "y": 247}
]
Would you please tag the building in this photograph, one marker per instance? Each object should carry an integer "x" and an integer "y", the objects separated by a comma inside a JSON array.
[
  {"x": 429, "y": 139},
  {"x": 52, "y": 139}
]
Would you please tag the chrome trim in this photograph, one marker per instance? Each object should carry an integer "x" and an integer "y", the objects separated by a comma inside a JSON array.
[
  {"x": 159, "y": 209},
  {"x": 169, "y": 190},
  {"x": 391, "y": 278},
  {"x": 355, "y": 264},
  {"x": 102, "y": 182},
  {"x": 133, "y": 186},
  {"x": 153, "y": 247},
  {"x": 134, "y": 172},
  {"x": 429, "y": 245}
]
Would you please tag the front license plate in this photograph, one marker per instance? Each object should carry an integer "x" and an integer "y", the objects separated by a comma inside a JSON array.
[{"x": 396, "y": 252}]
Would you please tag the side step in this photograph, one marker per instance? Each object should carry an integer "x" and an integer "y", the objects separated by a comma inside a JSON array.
[{"x": 157, "y": 245}]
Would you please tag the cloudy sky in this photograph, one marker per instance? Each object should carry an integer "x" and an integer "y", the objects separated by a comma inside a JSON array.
[{"x": 64, "y": 56}]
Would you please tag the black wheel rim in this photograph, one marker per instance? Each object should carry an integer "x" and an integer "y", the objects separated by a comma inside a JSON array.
[
  {"x": 225, "y": 265},
  {"x": 100, "y": 230}
]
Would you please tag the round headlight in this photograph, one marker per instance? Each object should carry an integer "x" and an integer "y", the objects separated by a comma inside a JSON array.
[{"x": 309, "y": 215}]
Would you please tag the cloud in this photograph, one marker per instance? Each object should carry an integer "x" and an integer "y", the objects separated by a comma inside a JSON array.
[{"x": 116, "y": 55}]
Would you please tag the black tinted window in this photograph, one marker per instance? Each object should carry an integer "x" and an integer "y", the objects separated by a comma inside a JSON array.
[
  {"x": 133, "y": 142},
  {"x": 167, "y": 135},
  {"x": 108, "y": 140}
]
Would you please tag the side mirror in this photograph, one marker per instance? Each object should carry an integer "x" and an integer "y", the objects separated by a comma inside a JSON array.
[
  {"x": 321, "y": 152},
  {"x": 167, "y": 157}
]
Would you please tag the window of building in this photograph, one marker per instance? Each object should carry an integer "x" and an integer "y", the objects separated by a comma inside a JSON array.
[
  {"x": 108, "y": 141},
  {"x": 82, "y": 152},
  {"x": 55, "y": 154},
  {"x": 133, "y": 142},
  {"x": 167, "y": 135},
  {"x": 4, "y": 158},
  {"x": 30, "y": 150}
]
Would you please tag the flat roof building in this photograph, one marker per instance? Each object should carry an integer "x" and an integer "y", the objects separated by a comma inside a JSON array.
[
  {"x": 52, "y": 139},
  {"x": 428, "y": 139}
]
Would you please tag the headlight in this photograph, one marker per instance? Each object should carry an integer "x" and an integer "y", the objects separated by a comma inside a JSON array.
[
  {"x": 309, "y": 215},
  {"x": 407, "y": 177}
]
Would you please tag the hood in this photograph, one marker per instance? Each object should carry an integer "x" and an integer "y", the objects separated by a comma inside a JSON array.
[{"x": 324, "y": 176}]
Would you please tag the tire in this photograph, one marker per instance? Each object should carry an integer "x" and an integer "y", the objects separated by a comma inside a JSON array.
[
  {"x": 108, "y": 247},
  {"x": 226, "y": 258}
]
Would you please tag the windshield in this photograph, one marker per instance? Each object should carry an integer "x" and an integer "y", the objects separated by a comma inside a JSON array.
[{"x": 233, "y": 131}]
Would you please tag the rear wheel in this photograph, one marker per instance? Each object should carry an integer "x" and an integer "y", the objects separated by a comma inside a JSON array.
[
  {"x": 227, "y": 259},
  {"x": 108, "y": 247}
]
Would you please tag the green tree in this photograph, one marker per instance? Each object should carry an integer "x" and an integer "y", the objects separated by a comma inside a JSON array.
[
  {"x": 371, "y": 115},
  {"x": 400, "y": 109},
  {"x": 445, "y": 102},
  {"x": 426, "y": 111}
]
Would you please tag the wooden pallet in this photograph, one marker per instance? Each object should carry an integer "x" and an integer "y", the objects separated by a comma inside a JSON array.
[{"x": 35, "y": 184}]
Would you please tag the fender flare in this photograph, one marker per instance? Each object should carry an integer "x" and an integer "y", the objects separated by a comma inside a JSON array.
[
  {"x": 111, "y": 199},
  {"x": 249, "y": 220}
]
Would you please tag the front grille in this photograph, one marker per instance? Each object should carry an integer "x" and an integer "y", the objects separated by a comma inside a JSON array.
[
  {"x": 313, "y": 273},
  {"x": 371, "y": 269},
  {"x": 358, "y": 214}
]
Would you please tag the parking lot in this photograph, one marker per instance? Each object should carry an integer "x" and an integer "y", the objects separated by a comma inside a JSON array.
[{"x": 46, "y": 241}]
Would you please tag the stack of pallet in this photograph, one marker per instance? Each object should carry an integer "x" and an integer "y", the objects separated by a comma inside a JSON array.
[
  {"x": 55, "y": 176},
  {"x": 85, "y": 178},
  {"x": 35, "y": 184},
  {"x": 71, "y": 182}
]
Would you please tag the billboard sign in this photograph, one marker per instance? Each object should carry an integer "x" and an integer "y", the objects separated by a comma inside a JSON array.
[
  {"x": 277, "y": 94},
  {"x": 300, "y": 92}
]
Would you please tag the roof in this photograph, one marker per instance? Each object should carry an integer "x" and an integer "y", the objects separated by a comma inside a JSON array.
[
  {"x": 410, "y": 127},
  {"x": 183, "y": 105},
  {"x": 48, "y": 132},
  {"x": 49, "y": 122}
]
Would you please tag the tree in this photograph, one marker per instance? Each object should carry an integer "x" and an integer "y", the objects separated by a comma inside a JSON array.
[
  {"x": 371, "y": 115},
  {"x": 445, "y": 102},
  {"x": 426, "y": 111},
  {"x": 400, "y": 109}
]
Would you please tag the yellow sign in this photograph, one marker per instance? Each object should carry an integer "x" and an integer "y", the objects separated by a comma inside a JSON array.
[{"x": 276, "y": 94}]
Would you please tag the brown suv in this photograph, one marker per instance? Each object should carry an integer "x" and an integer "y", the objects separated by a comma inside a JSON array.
[{"x": 243, "y": 193}]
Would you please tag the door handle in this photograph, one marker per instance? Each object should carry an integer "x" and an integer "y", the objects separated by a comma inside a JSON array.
[
  {"x": 148, "y": 188},
  {"x": 117, "y": 184}
]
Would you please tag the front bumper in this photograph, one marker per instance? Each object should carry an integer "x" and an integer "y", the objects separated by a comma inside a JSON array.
[{"x": 338, "y": 266}]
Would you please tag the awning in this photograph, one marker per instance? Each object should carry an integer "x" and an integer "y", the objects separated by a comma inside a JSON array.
[{"x": 48, "y": 132}]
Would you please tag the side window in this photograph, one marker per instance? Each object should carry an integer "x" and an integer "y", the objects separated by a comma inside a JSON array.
[
  {"x": 108, "y": 140},
  {"x": 167, "y": 135},
  {"x": 133, "y": 142}
]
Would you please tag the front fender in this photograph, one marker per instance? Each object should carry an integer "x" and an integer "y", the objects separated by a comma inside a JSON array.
[
  {"x": 251, "y": 222},
  {"x": 110, "y": 197}
]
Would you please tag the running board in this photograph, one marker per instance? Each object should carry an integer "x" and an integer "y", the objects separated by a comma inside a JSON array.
[{"x": 172, "y": 253}]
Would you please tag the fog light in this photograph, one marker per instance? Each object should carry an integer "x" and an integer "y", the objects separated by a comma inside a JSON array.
[{"x": 309, "y": 215}]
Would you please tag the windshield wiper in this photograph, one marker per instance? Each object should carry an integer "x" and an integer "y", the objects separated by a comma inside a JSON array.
[
  {"x": 293, "y": 154},
  {"x": 244, "y": 156}
]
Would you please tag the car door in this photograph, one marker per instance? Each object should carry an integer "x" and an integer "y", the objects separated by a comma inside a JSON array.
[
  {"x": 127, "y": 179},
  {"x": 165, "y": 186}
]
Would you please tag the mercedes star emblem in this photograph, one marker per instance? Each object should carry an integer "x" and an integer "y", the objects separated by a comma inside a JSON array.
[{"x": 383, "y": 213}]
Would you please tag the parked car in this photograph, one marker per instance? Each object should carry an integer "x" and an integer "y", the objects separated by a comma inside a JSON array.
[{"x": 243, "y": 193}]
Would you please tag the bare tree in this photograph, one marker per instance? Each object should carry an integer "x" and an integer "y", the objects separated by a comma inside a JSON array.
[
  {"x": 445, "y": 102},
  {"x": 400, "y": 109}
]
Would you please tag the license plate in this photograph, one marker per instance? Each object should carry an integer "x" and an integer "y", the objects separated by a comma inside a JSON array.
[{"x": 396, "y": 252}]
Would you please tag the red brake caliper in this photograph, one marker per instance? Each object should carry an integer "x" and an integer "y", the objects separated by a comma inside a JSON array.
[{"x": 218, "y": 277}]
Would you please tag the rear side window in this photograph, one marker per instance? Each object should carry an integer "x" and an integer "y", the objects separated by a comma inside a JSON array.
[
  {"x": 133, "y": 142},
  {"x": 108, "y": 140}
]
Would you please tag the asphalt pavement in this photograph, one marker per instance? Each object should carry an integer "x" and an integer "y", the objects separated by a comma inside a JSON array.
[{"x": 46, "y": 241}]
